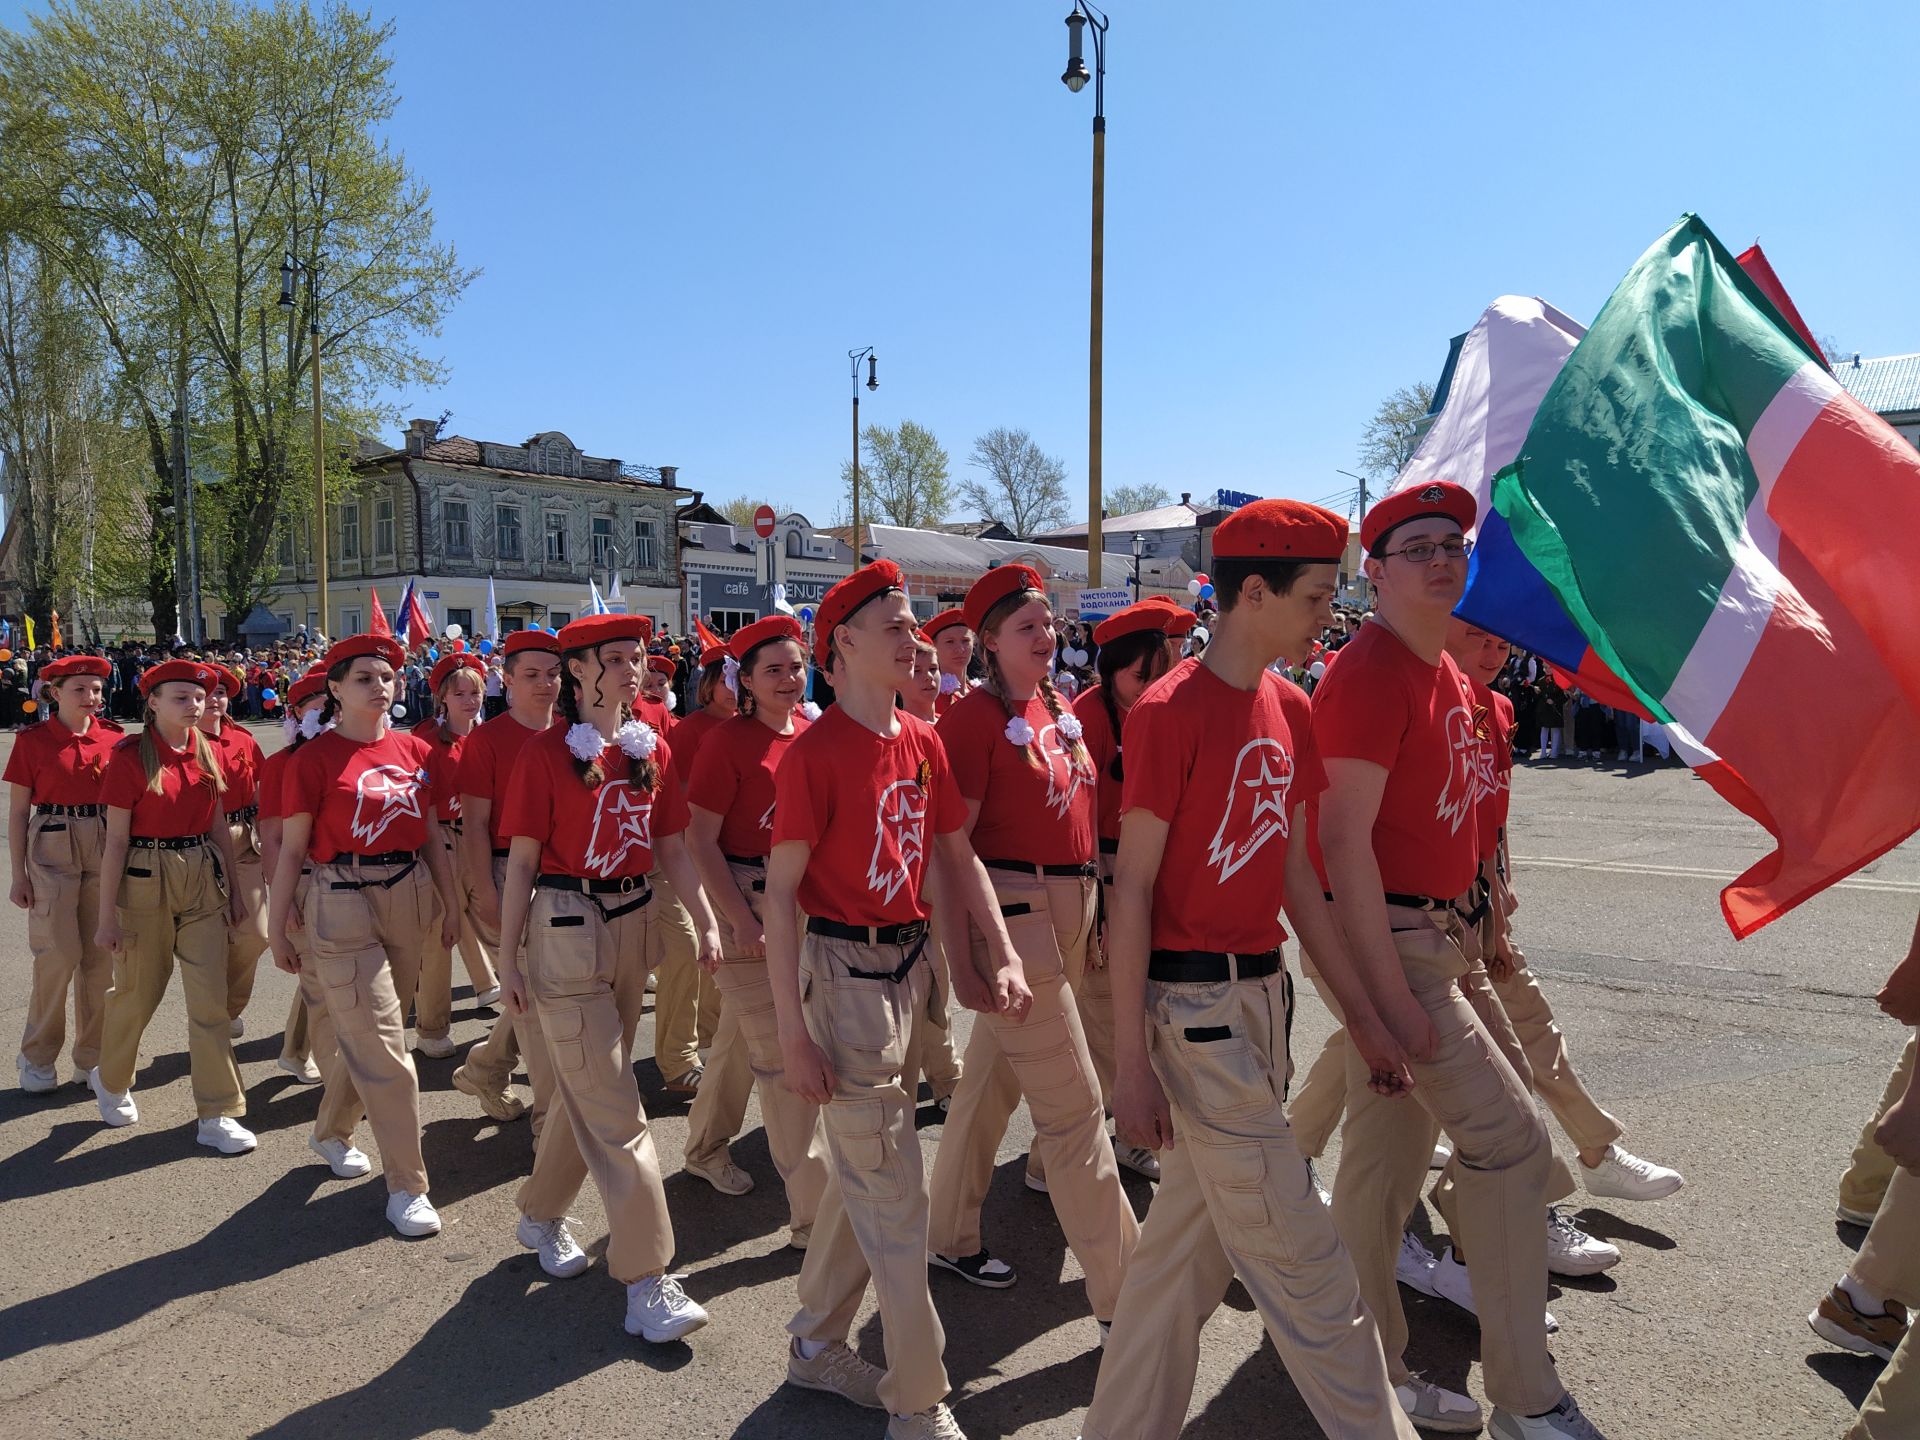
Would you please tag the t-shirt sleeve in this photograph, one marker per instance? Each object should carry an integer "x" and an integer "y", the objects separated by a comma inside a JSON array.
[
  {"x": 527, "y": 806},
  {"x": 1159, "y": 751},
  {"x": 948, "y": 801},
  {"x": 1358, "y": 721},
  {"x": 19, "y": 769},
  {"x": 125, "y": 778},
  {"x": 715, "y": 780},
  {"x": 801, "y": 804},
  {"x": 969, "y": 749}
]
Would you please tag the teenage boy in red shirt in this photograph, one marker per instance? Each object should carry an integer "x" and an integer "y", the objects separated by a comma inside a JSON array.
[
  {"x": 863, "y": 800},
  {"x": 1220, "y": 764},
  {"x": 1398, "y": 825}
]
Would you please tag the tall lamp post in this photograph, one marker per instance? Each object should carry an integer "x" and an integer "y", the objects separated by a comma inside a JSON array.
[
  {"x": 1138, "y": 545},
  {"x": 1361, "y": 575},
  {"x": 288, "y": 268},
  {"x": 1075, "y": 78},
  {"x": 873, "y": 383}
]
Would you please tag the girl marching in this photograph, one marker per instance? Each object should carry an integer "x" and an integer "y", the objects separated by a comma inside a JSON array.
[
  {"x": 358, "y": 801},
  {"x": 729, "y": 834},
  {"x": 303, "y": 698},
  {"x": 240, "y": 759},
  {"x": 55, "y": 833},
  {"x": 588, "y": 811},
  {"x": 1028, "y": 783},
  {"x": 161, "y": 896}
]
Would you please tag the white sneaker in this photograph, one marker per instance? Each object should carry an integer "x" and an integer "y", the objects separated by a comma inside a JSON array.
[
  {"x": 488, "y": 998},
  {"x": 1413, "y": 1266},
  {"x": 114, "y": 1109},
  {"x": 1441, "y": 1155},
  {"x": 935, "y": 1424},
  {"x": 1319, "y": 1185},
  {"x": 559, "y": 1255},
  {"x": 303, "y": 1070},
  {"x": 349, "y": 1162},
  {"x": 1434, "y": 1407},
  {"x": 1563, "y": 1422},
  {"x": 36, "y": 1079},
  {"x": 653, "y": 982},
  {"x": 236, "y": 1027},
  {"x": 1571, "y": 1251},
  {"x": 435, "y": 1047},
  {"x": 659, "y": 1310},
  {"x": 1035, "y": 1182},
  {"x": 1625, "y": 1176},
  {"x": 412, "y": 1215},
  {"x": 225, "y": 1134},
  {"x": 1138, "y": 1159},
  {"x": 1451, "y": 1282}
]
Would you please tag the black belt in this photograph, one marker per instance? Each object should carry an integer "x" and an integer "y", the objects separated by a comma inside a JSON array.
[
  {"x": 454, "y": 825},
  {"x": 1429, "y": 903},
  {"x": 752, "y": 862},
  {"x": 405, "y": 859},
  {"x": 1209, "y": 967},
  {"x": 245, "y": 815},
  {"x": 1086, "y": 871},
  {"x": 909, "y": 933},
  {"x": 167, "y": 842},
  {"x": 635, "y": 885},
  {"x": 69, "y": 809},
  {"x": 502, "y": 854},
  {"x": 1109, "y": 847}
]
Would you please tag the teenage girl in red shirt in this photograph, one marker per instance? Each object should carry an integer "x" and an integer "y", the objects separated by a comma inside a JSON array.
[
  {"x": 302, "y": 698},
  {"x": 55, "y": 831},
  {"x": 240, "y": 759}
]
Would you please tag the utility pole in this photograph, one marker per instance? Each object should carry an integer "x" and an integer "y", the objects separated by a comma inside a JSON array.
[{"x": 182, "y": 520}]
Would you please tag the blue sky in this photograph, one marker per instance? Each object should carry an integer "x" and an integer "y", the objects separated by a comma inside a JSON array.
[{"x": 688, "y": 212}]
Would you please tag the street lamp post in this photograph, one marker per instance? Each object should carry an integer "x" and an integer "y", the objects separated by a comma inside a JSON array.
[
  {"x": 1360, "y": 575},
  {"x": 1085, "y": 16},
  {"x": 1139, "y": 547},
  {"x": 873, "y": 383},
  {"x": 288, "y": 268}
]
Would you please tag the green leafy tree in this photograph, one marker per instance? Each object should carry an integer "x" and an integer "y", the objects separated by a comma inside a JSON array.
[
  {"x": 904, "y": 478},
  {"x": 1021, "y": 486}
]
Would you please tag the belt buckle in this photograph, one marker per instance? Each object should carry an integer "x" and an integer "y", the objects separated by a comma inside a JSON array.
[
  {"x": 912, "y": 934},
  {"x": 627, "y": 885}
]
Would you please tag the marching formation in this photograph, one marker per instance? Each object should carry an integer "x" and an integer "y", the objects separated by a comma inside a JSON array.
[{"x": 1108, "y": 883}]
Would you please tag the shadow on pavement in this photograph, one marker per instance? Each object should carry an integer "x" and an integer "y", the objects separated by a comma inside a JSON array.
[
  {"x": 1605, "y": 1225},
  {"x": 1851, "y": 1375}
]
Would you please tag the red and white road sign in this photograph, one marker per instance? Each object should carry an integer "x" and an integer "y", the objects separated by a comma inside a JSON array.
[{"x": 763, "y": 522}]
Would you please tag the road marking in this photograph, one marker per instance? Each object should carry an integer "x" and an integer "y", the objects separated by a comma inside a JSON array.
[{"x": 1690, "y": 872}]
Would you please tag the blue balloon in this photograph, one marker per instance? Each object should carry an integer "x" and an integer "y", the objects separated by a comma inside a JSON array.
[
  {"x": 268, "y": 695},
  {"x": 1206, "y": 592},
  {"x": 432, "y": 654},
  {"x": 486, "y": 647}
]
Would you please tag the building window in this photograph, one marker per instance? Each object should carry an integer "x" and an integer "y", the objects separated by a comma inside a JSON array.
[
  {"x": 643, "y": 545},
  {"x": 728, "y": 621},
  {"x": 506, "y": 530},
  {"x": 560, "y": 619},
  {"x": 556, "y": 539},
  {"x": 286, "y": 544},
  {"x": 555, "y": 458},
  {"x": 462, "y": 618},
  {"x": 459, "y": 532},
  {"x": 794, "y": 552},
  {"x": 350, "y": 622},
  {"x": 602, "y": 544},
  {"x": 383, "y": 526},
  {"x": 285, "y": 617},
  {"x": 350, "y": 536},
  {"x": 313, "y": 621}
]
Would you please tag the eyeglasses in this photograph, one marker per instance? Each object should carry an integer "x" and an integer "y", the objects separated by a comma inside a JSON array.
[{"x": 1421, "y": 552}]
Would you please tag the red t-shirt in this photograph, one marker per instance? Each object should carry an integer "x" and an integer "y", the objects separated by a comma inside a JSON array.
[
  {"x": 450, "y": 746},
  {"x": 1036, "y": 800},
  {"x": 58, "y": 766},
  {"x": 603, "y": 833},
  {"x": 1493, "y": 729},
  {"x": 656, "y": 714},
  {"x": 185, "y": 804},
  {"x": 945, "y": 702},
  {"x": 486, "y": 763},
  {"x": 1102, "y": 745},
  {"x": 272, "y": 785},
  {"x": 1225, "y": 769},
  {"x": 734, "y": 779},
  {"x": 240, "y": 759},
  {"x": 366, "y": 797},
  {"x": 688, "y": 735},
  {"x": 1384, "y": 704},
  {"x": 867, "y": 804}
]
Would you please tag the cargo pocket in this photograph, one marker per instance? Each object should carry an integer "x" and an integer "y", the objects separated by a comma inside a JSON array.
[
  {"x": 50, "y": 848},
  {"x": 563, "y": 951},
  {"x": 1236, "y": 1174},
  {"x": 867, "y": 1171},
  {"x": 341, "y": 920},
  {"x": 1228, "y": 1081},
  {"x": 142, "y": 890},
  {"x": 860, "y": 1016},
  {"x": 565, "y": 1028},
  {"x": 1042, "y": 1054},
  {"x": 339, "y": 979}
]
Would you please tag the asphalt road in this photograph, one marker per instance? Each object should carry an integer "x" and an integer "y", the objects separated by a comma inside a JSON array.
[{"x": 152, "y": 1288}]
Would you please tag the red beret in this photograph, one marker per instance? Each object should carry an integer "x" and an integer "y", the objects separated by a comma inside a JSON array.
[
  {"x": 67, "y": 666},
  {"x": 308, "y": 687},
  {"x": 1417, "y": 502},
  {"x": 1146, "y": 616},
  {"x": 1281, "y": 530},
  {"x": 380, "y": 647},
  {"x": 836, "y": 607},
  {"x": 941, "y": 622},
  {"x": 661, "y": 665},
  {"x": 194, "y": 672},
  {"x": 774, "y": 627},
  {"x": 592, "y": 630},
  {"x": 994, "y": 586},
  {"x": 530, "y": 640},
  {"x": 443, "y": 668},
  {"x": 1183, "y": 619},
  {"x": 229, "y": 682}
]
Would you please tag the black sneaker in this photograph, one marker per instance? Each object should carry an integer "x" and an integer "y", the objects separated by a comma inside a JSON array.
[{"x": 982, "y": 1269}]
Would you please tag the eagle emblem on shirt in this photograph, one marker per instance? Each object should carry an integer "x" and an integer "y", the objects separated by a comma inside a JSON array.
[
  {"x": 1462, "y": 787},
  {"x": 383, "y": 794},
  {"x": 899, "y": 835},
  {"x": 1487, "y": 778},
  {"x": 622, "y": 822},
  {"x": 1256, "y": 805}
]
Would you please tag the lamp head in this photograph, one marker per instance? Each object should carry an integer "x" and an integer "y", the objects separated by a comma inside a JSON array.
[
  {"x": 286, "y": 282},
  {"x": 1076, "y": 76},
  {"x": 873, "y": 379}
]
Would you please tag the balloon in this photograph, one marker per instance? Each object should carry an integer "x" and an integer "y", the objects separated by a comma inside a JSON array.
[
  {"x": 1206, "y": 592},
  {"x": 269, "y": 700},
  {"x": 432, "y": 654},
  {"x": 459, "y": 646},
  {"x": 486, "y": 647},
  {"x": 1193, "y": 586},
  {"x": 399, "y": 712},
  {"x": 1317, "y": 669},
  {"x": 454, "y": 632},
  {"x": 1203, "y": 577},
  {"x": 29, "y": 706},
  {"x": 5, "y": 655},
  {"x": 269, "y": 696},
  {"x": 673, "y": 649}
]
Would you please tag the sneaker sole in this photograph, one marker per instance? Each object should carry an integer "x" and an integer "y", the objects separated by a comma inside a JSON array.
[
  {"x": 1039, "y": 1187},
  {"x": 745, "y": 1189},
  {"x": 985, "y": 1282},
  {"x": 300, "y": 1076},
  {"x": 800, "y": 1383},
  {"x": 225, "y": 1149},
  {"x": 413, "y": 1232},
  {"x": 1141, "y": 1171},
  {"x": 1839, "y": 1335},
  {"x": 1449, "y": 1424},
  {"x": 1639, "y": 1197},
  {"x": 1853, "y": 1217},
  {"x": 496, "y": 1109},
  {"x": 1577, "y": 1270},
  {"x": 339, "y": 1174},
  {"x": 666, "y": 1334}
]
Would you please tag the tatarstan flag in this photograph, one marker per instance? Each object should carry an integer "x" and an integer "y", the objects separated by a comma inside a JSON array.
[{"x": 1734, "y": 535}]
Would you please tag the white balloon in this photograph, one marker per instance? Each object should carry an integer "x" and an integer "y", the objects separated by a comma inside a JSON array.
[
  {"x": 1193, "y": 587},
  {"x": 1317, "y": 669},
  {"x": 454, "y": 631},
  {"x": 399, "y": 712}
]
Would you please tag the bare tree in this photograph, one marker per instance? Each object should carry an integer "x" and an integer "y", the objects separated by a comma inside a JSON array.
[
  {"x": 1023, "y": 488},
  {"x": 1132, "y": 499},
  {"x": 903, "y": 476},
  {"x": 1392, "y": 434}
]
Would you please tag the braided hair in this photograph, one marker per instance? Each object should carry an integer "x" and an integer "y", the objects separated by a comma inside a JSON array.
[
  {"x": 1121, "y": 655},
  {"x": 646, "y": 773},
  {"x": 997, "y": 682}
]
